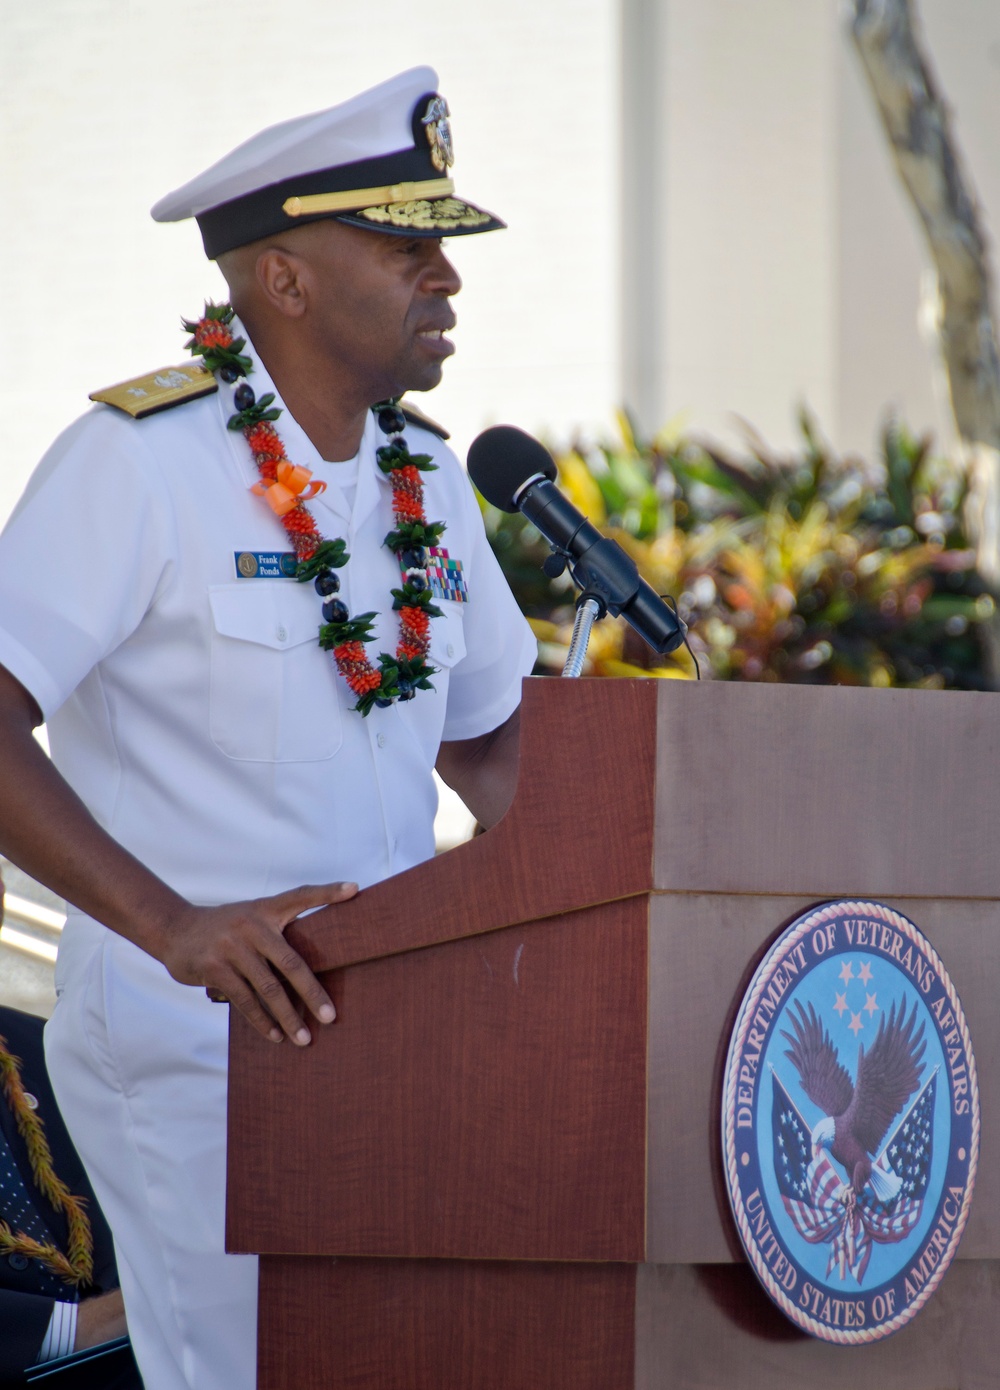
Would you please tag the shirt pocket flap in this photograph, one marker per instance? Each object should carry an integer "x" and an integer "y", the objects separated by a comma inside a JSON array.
[
  {"x": 272, "y": 614},
  {"x": 273, "y": 692},
  {"x": 447, "y": 634}
]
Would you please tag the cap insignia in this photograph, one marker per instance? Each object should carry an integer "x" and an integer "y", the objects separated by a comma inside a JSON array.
[{"x": 437, "y": 128}]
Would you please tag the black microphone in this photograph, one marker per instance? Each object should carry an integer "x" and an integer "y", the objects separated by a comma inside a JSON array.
[{"x": 515, "y": 473}]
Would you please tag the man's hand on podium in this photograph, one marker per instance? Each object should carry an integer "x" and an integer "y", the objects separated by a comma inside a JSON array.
[
  {"x": 239, "y": 953},
  {"x": 238, "y": 950}
]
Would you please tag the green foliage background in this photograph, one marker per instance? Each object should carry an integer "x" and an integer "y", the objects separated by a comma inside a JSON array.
[{"x": 809, "y": 567}]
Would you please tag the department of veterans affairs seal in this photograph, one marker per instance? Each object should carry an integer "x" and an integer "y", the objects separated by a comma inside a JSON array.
[{"x": 850, "y": 1121}]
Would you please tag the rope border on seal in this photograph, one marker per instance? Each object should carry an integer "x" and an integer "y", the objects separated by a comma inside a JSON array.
[{"x": 789, "y": 939}]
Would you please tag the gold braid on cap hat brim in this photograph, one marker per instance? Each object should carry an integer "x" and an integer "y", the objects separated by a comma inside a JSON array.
[
  {"x": 442, "y": 215},
  {"x": 350, "y": 199},
  {"x": 77, "y": 1267},
  {"x": 422, "y": 204}
]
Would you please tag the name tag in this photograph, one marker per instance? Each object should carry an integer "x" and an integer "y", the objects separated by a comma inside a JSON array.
[
  {"x": 445, "y": 576},
  {"x": 265, "y": 564}
]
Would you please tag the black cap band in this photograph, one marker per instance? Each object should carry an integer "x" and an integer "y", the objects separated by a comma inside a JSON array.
[{"x": 261, "y": 213}]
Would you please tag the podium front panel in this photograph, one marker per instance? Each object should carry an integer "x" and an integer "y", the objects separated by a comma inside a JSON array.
[
  {"x": 484, "y": 1099},
  {"x": 445, "y": 1325},
  {"x": 826, "y": 792}
]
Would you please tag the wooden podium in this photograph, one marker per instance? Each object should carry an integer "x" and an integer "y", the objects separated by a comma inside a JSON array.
[{"x": 499, "y": 1169}]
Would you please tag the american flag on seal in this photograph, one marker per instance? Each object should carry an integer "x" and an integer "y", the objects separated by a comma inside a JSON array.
[{"x": 812, "y": 1188}]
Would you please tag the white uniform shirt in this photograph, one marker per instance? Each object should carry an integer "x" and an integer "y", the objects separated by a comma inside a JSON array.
[{"x": 192, "y": 710}]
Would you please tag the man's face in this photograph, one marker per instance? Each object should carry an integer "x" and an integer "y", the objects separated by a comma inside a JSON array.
[{"x": 378, "y": 306}]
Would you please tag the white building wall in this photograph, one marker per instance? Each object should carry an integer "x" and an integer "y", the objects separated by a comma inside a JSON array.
[
  {"x": 746, "y": 240},
  {"x": 779, "y": 261},
  {"x": 750, "y": 225}
]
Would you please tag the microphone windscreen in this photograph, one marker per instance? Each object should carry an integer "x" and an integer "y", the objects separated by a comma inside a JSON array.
[{"x": 502, "y": 459}]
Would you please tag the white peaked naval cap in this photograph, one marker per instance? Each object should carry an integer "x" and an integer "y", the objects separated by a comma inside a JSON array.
[{"x": 381, "y": 161}]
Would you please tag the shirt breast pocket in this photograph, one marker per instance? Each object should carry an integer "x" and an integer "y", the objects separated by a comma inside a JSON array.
[
  {"x": 447, "y": 645},
  {"x": 273, "y": 695}
]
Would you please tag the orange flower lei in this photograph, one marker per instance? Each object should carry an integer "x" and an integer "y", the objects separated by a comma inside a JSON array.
[{"x": 286, "y": 488}]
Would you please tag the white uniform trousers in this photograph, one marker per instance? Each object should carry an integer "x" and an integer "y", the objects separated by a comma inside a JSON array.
[{"x": 139, "y": 1064}]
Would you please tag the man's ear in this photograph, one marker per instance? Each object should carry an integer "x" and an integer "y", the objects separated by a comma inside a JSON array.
[{"x": 281, "y": 276}]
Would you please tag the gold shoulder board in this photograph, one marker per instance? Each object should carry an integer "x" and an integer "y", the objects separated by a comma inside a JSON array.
[
  {"x": 170, "y": 386},
  {"x": 417, "y": 417}
]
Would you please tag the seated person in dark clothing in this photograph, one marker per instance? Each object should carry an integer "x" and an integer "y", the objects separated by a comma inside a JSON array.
[{"x": 58, "y": 1282}]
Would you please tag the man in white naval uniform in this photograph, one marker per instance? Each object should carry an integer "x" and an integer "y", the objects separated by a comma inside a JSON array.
[{"x": 207, "y": 755}]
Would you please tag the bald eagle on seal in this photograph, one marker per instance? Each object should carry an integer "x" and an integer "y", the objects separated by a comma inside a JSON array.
[{"x": 858, "y": 1116}]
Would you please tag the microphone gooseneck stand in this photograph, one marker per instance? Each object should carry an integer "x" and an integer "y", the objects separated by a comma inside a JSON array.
[{"x": 588, "y": 610}]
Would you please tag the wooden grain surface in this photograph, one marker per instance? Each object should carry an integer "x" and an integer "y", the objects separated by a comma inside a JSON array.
[
  {"x": 484, "y": 1099},
  {"x": 580, "y": 832},
  {"x": 438, "y": 1325},
  {"x": 713, "y": 1328},
  {"x": 441, "y": 1325},
  {"x": 423, "y": 1122},
  {"x": 802, "y": 790},
  {"x": 701, "y": 951}
]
